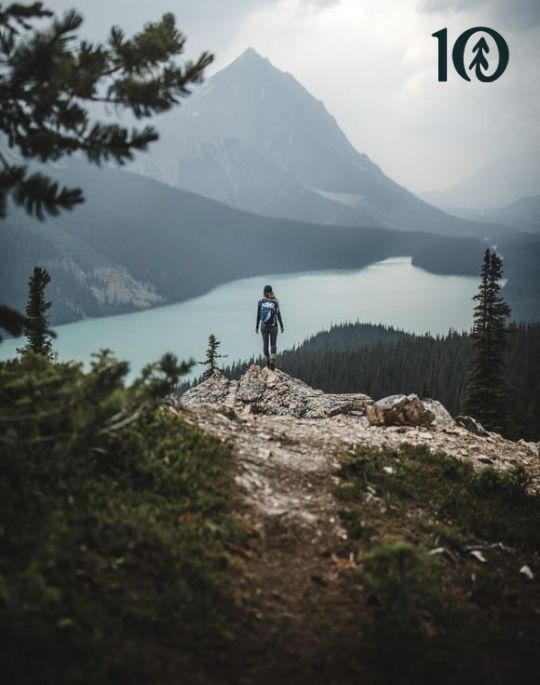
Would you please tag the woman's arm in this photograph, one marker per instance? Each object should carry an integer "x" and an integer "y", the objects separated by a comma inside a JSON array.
[{"x": 258, "y": 317}]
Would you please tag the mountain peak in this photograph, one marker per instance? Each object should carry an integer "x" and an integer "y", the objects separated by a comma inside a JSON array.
[
  {"x": 255, "y": 138},
  {"x": 250, "y": 58},
  {"x": 251, "y": 53}
]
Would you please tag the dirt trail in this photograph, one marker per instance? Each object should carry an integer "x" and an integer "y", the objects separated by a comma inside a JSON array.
[
  {"x": 287, "y": 471},
  {"x": 299, "y": 549}
]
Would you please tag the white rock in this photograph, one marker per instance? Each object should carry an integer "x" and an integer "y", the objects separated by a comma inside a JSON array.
[
  {"x": 400, "y": 410},
  {"x": 443, "y": 418},
  {"x": 526, "y": 571}
]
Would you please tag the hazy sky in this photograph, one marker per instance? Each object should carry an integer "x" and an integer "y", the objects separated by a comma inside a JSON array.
[{"x": 374, "y": 65}]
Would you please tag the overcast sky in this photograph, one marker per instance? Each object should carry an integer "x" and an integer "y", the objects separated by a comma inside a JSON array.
[{"x": 374, "y": 65}]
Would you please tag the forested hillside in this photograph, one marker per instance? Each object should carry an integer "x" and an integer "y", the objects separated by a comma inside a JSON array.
[
  {"x": 136, "y": 243},
  {"x": 521, "y": 256},
  {"x": 383, "y": 361}
]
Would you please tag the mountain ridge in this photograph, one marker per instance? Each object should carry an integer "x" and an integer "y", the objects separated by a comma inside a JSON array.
[
  {"x": 167, "y": 245},
  {"x": 253, "y": 137},
  {"x": 522, "y": 214}
]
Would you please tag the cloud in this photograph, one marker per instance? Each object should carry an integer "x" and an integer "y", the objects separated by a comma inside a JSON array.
[
  {"x": 208, "y": 24},
  {"x": 376, "y": 72},
  {"x": 515, "y": 14},
  {"x": 374, "y": 65}
]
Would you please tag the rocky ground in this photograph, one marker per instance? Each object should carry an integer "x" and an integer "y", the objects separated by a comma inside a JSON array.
[
  {"x": 289, "y": 440},
  {"x": 288, "y": 436}
]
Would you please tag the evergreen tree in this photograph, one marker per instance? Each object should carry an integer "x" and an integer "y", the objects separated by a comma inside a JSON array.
[
  {"x": 211, "y": 356},
  {"x": 37, "y": 335},
  {"x": 48, "y": 80},
  {"x": 486, "y": 394}
]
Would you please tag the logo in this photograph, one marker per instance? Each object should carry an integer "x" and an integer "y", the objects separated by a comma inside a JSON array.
[{"x": 479, "y": 66}]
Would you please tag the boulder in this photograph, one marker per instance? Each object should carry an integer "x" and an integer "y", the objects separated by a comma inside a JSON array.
[
  {"x": 400, "y": 410},
  {"x": 533, "y": 447},
  {"x": 276, "y": 393},
  {"x": 472, "y": 425},
  {"x": 443, "y": 418}
]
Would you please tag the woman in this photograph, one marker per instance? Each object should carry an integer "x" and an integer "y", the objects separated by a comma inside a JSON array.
[{"x": 268, "y": 316}]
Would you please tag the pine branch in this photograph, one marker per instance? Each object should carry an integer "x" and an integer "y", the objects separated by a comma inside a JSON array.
[
  {"x": 114, "y": 142},
  {"x": 124, "y": 423},
  {"x": 12, "y": 321},
  {"x": 38, "y": 194},
  {"x": 48, "y": 80}
]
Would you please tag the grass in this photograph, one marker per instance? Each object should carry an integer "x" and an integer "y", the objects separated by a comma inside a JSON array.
[{"x": 445, "y": 617}]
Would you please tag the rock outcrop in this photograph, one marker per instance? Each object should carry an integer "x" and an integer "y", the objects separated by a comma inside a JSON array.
[
  {"x": 261, "y": 391},
  {"x": 289, "y": 438}
]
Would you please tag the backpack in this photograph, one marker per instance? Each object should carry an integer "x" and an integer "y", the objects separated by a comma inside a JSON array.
[{"x": 268, "y": 312}]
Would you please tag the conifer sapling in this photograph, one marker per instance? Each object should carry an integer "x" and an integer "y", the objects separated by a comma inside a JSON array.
[
  {"x": 37, "y": 334},
  {"x": 211, "y": 356}
]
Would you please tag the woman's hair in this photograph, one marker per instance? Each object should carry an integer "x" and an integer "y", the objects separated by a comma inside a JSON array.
[{"x": 270, "y": 294}]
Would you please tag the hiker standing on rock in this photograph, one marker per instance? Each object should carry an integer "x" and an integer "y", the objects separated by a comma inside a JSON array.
[{"x": 268, "y": 316}]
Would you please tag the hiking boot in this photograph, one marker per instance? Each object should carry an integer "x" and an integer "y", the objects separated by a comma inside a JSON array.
[
  {"x": 272, "y": 366},
  {"x": 268, "y": 364}
]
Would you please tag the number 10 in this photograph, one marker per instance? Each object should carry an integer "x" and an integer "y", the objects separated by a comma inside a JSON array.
[{"x": 442, "y": 38}]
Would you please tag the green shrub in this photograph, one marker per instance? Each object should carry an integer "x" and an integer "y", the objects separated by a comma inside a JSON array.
[
  {"x": 445, "y": 616},
  {"x": 404, "y": 631},
  {"x": 114, "y": 519},
  {"x": 485, "y": 504}
]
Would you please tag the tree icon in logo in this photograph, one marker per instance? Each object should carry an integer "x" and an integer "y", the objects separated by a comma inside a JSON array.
[{"x": 480, "y": 63}]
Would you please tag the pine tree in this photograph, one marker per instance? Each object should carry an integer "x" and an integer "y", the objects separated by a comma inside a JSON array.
[
  {"x": 486, "y": 393},
  {"x": 49, "y": 79},
  {"x": 38, "y": 336},
  {"x": 211, "y": 357}
]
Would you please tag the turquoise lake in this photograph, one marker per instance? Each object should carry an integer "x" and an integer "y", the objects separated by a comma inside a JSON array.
[{"x": 392, "y": 292}]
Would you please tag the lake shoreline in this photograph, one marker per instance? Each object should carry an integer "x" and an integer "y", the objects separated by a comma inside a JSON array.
[{"x": 391, "y": 292}]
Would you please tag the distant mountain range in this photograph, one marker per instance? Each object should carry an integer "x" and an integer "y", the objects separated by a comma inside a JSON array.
[
  {"x": 498, "y": 183},
  {"x": 254, "y": 138},
  {"x": 522, "y": 214}
]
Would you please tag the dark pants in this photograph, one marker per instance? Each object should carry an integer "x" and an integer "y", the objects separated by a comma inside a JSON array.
[{"x": 269, "y": 335}]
